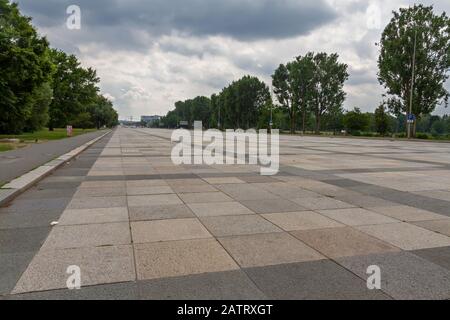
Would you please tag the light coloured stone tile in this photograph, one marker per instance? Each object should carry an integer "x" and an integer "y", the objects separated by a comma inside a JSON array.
[
  {"x": 219, "y": 209},
  {"x": 321, "y": 203},
  {"x": 304, "y": 220},
  {"x": 223, "y": 226},
  {"x": 406, "y": 236},
  {"x": 89, "y": 216},
  {"x": 168, "y": 230},
  {"x": 180, "y": 258},
  {"x": 268, "y": 249},
  {"x": 131, "y": 191},
  {"x": 343, "y": 242},
  {"x": 440, "y": 226},
  {"x": 408, "y": 214},
  {"x": 357, "y": 217},
  {"x": 99, "y": 265},
  {"x": 224, "y": 180},
  {"x": 153, "y": 200},
  {"x": 89, "y": 235},
  {"x": 204, "y": 197}
]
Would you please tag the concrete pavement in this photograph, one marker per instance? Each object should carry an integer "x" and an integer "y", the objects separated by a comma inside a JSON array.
[{"x": 140, "y": 227}]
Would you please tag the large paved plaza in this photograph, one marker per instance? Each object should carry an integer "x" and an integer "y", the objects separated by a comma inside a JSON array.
[{"x": 140, "y": 227}]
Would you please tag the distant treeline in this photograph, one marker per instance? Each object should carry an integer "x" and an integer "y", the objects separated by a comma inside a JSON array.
[
  {"x": 40, "y": 86},
  {"x": 413, "y": 67}
]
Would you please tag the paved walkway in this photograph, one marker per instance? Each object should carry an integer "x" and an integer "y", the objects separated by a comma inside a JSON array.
[
  {"x": 140, "y": 227},
  {"x": 23, "y": 160}
]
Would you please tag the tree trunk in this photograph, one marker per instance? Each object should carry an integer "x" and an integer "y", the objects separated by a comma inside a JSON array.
[
  {"x": 304, "y": 121},
  {"x": 292, "y": 121},
  {"x": 317, "y": 123}
]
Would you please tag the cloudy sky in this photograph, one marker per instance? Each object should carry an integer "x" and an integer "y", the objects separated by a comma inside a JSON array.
[{"x": 151, "y": 53}]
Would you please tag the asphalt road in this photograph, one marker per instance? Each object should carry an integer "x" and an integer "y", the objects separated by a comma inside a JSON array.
[{"x": 15, "y": 163}]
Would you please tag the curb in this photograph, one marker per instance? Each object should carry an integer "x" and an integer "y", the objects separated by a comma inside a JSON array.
[{"x": 17, "y": 186}]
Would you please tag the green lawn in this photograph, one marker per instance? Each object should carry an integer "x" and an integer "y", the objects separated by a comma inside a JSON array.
[
  {"x": 5, "y": 147},
  {"x": 44, "y": 135}
]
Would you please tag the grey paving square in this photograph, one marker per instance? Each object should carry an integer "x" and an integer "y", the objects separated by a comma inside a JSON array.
[
  {"x": 11, "y": 268},
  {"x": 268, "y": 249},
  {"x": 222, "y": 226},
  {"x": 228, "y": 285},
  {"x": 22, "y": 240},
  {"x": 272, "y": 206},
  {"x": 160, "y": 212},
  {"x": 439, "y": 256},
  {"x": 324, "y": 280},
  {"x": 404, "y": 275}
]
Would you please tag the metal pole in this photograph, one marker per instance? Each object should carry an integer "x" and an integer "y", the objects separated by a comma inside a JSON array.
[
  {"x": 271, "y": 119},
  {"x": 412, "y": 84}
]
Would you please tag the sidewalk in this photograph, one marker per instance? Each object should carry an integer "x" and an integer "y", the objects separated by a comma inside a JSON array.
[{"x": 20, "y": 161}]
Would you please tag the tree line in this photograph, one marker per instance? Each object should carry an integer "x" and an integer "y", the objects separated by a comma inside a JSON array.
[
  {"x": 309, "y": 91},
  {"x": 41, "y": 86}
]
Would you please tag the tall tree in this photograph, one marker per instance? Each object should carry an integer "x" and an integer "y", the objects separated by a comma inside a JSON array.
[
  {"x": 74, "y": 89},
  {"x": 328, "y": 92},
  {"x": 382, "y": 120},
  {"x": 281, "y": 82},
  {"x": 302, "y": 72},
  {"x": 24, "y": 69},
  {"x": 418, "y": 27}
]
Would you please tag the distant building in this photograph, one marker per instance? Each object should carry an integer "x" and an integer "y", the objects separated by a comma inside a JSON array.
[{"x": 150, "y": 119}]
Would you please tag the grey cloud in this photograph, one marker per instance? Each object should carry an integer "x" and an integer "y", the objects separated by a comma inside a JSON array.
[{"x": 239, "y": 19}]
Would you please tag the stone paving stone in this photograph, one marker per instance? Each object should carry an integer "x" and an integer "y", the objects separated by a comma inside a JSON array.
[
  {"x": 11, "y": 268},
  {"x": 115, "y": 291},
  {"x": 160, "y": 212},
  {"x": 99, "y": 265},
  {"x": 246, "y": 192},
  {"x": 148, "y": 190},
  {"x": 408, "y": 214},
  {"x": 223, "y": 180},
  {"x": 97, "y": 202},
  {"x": 193, "y": 188},
  {"x": 342, "y": 242},
  {"x": 272, "y": 205},
  {"x": 305, "y": 220},
  {"x": 406, "y": 236},
  {"x": 219, "y": 209},
  {"x": 204, "y": 197},
  {"x": 404, "y": 275},
  {"x": 168, "y": 230},
  {"x": 102, "y": 184},
  {"x": 89, "y": 216},
  {"x": 287, "y": 191},
  {"x": 439, "y": 226},
  {"x": 89, "y": 235},
  {"x": 439, "y": 256},
  {"x": 268, "y": 249},
  {"x": 153, "y": 200},
  {"x": 257, "y": 179},
  {"x": 145, "y": 183},
  {"x": 22, "y": 240},
  {"x": 357, "y": 217},
  {"x": 364, "y": 201},
  {"x": 179, "y": 258},
  {"x": 100, "y": 192},
  {"x": 238, "y": 225},
  {"x": 322, "y": 203},
  {"x": 314, "y": 280},
  {"x": 228, "y": 285}
]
